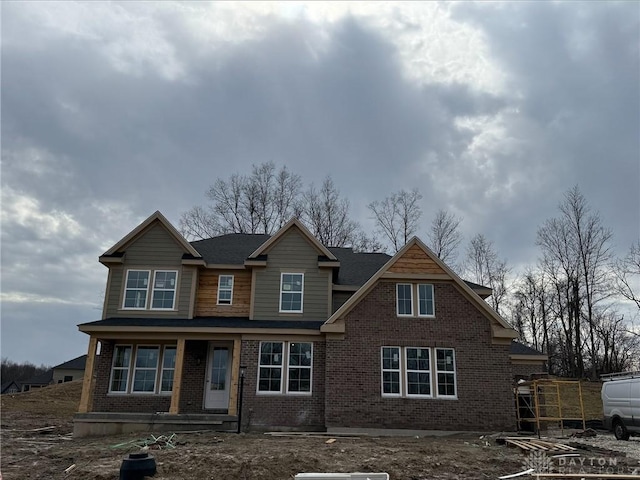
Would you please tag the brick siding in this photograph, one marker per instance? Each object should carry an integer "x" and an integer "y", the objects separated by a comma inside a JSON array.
[
  {"x": 282, "y": 410},
  {"x": 483, "y": 371}
]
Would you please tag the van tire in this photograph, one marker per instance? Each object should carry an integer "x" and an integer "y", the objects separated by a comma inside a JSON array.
[{"x": 619, "y": 430}]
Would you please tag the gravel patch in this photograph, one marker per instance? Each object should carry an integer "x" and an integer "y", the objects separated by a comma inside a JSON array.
[{"x": 630, "y": 447}]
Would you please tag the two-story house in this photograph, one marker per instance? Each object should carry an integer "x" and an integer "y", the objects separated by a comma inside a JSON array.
[{"x": 320, "y": 338}]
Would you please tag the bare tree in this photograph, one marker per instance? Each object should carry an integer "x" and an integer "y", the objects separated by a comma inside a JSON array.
[
  {"x": 258, "y": 203},
  {"x": 326, "y": 214},
  {"x": 397, "y": 216},
  {"x": 445, "y": 237},
  {"x": 483, "y": 266},
  {"x": 627, "y": 274}
]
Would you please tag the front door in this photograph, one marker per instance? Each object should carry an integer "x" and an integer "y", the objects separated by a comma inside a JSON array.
[{"x": 217, "y": 384}]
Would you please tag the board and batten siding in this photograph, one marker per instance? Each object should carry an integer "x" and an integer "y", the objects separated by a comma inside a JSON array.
[
  {"x": 154, "y": 249},
  {"x": 292, "y": 254}
]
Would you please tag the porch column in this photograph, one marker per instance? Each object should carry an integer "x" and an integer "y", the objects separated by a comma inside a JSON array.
[
  {"x": 235, "y": 372},
  {"x": 87, "y": 392},
  {"x": 177, "y": 378}
]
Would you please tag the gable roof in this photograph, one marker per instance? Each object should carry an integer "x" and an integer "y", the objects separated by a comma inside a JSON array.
[
  {"x": 504, "y": 330},
  {"x": 7, "y": 385},
  {"x": 155, "y": 217},
  {"x": 357, "y": 267},
  {"x": 294, "y": 222},
  {"x": 77, "y": 363},
  {"x": 518, "y": 348},
  {"x": 232, "y": 248}
]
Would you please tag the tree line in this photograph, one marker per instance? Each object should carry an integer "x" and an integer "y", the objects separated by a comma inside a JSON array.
[
  {"x": 566, "y": 305},
  {"x": 11, "y": 371}
]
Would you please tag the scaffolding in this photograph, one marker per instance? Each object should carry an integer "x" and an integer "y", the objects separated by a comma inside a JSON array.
[{"x": 543, "y": 401}]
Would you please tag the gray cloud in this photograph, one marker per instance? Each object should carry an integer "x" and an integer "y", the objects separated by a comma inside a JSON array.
[{"x": 112, "y": 112}]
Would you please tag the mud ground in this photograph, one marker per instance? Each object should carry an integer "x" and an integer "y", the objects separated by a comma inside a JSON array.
[{"x": 36, "y": 443}]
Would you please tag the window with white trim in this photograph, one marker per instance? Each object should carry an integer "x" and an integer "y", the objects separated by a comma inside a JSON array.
[
  {"x": 391, "y": 371},
  {"x": 164, "y": 289},
  {"x": 404, "y": 299},
  {"x": 425, "y": 300},
  {"x": 145, "y": 369},
  {"x": 120, "y": 368},
  {"x": 270, "y": 367},
  {"x": 406, "y": 372},
  {"x": 446, "y": 372},
  {"x": 142, "y": 369},
  {"x": 299, "y": 367},
  {"x": 168, "y": 369},
  {"x": 136, "y": 289},
  {"x": 418, "y": 371},
  {"x": 405, "y": 295},
  {"x": 285, "y": 367},
  {"x": 225, "y": 289},
  {"x": 291, "y": 292}
]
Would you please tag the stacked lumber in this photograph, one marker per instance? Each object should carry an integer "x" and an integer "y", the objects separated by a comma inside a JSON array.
[{"x": 536, "y": 444}]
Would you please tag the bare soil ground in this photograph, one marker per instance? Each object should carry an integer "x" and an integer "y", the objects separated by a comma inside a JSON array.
[{"x": 29, "y": 451}]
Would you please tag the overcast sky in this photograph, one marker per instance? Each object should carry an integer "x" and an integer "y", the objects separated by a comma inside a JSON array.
[{"x": 111, "y": 111}]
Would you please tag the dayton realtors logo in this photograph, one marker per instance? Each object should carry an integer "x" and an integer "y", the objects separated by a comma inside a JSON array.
[{"x": 540, "y": 462}]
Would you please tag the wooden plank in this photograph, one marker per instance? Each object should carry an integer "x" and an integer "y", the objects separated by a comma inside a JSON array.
[
  {"x": 235, "y": 377},
  {"x": 174, "y": 409},
  {"x": 87, "y": 393},
  {"x": 522, "y": 445}
]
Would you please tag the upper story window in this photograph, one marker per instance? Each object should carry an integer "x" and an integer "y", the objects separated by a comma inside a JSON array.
[
  {"x": 291, "y": 292},
  {"x": 425, "y": 300},
  {"x": 405, "y": 295},
  {"x": 163, "y": 291},
  {"x": 136, "y": 289},
  {"x": 225, "y": 289},
  {"x": 404, "y": 299}
]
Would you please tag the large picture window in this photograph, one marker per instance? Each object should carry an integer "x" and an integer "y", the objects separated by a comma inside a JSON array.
[
  {"x": 163, "y": 290},
  {"x": 406, "y": 372},
  {"x": 143, "y": 369},
  {"x": 285, "y": 367},
  {"x": 291, "y": 292}
]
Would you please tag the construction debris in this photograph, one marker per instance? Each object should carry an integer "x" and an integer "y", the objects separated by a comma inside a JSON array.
[
  {"x": 589, "y": 432},
  {"x": 151, "y": 443},
  {"x": 331, "y": 440},
  {"x": 533, "y": 444}
]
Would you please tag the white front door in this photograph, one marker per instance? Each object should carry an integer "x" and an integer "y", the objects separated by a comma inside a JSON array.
[{"x": 217, "y": 384}]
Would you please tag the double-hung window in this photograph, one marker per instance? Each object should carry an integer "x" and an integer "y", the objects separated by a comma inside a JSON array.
[
  {"x": 285, "y": 367},
  {"x": 407, "y": 372},
  {"x": 270, "y": 367},
  {"x": 146, "y": 369},
  {"x": 404, "y": 299},
  {"x": 168, "y": 369},
  {"x": 164, "y": 290},
  {"x": 291, "y": 292},
  {"x": 225, "y": 289},
  {"x": 120, "y": 369},
  {"x": 136, "y": 289},
  {"x": 425, "y": 300},
  {"x": 446, "y": 372},
  {"x": 406, "y": 293},
  {"x": 391, "y": 371}
]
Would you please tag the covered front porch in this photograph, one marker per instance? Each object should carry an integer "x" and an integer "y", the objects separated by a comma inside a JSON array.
[{"x": 160, "y": 382}]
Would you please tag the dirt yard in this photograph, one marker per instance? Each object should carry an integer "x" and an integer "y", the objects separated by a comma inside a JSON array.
[{"x": 37, "y": 444}]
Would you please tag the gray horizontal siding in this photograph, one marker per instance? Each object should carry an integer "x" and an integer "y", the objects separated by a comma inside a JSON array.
[
  {"x": 292, "y": 254},
  {"x": 155, "y": 249}
]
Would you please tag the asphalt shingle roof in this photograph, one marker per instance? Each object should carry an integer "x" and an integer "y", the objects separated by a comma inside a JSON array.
[
  {"x": 77, "y": 363},
  {"x": 232, "y": 248},
  {"x": 212, "y": 322},
  {"x": 518, "y": 348}
]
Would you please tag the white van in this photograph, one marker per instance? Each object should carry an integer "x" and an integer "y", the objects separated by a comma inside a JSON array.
[{"x": 621, "y": 404}]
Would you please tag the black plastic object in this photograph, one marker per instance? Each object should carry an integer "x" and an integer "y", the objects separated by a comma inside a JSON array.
[{"x": 138, "y": 466}]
